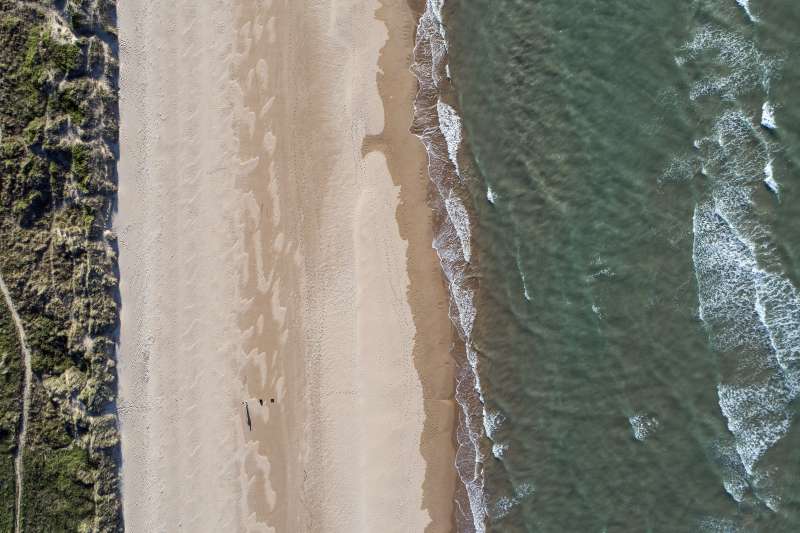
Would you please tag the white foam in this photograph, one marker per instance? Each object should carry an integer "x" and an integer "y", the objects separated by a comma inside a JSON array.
[
  {"x": 492, "y": 421},
  {"x": 745, "y": 5},
  {"x": 749, "y": 306},
  {"x": 751, "y": 311},
  {"x": 435, "y": 7},
  {"x": 523, "y": 278},
  {"x": 491, "y": 195},
  {"x": 431, "y": 31},
  {"x": 680, "y": 169},
  {"x": 735, "y": 488},
  {"x": 741, "y": 153},
  {"x": 765, "y": 489},
  {"x": 757, "y": 417},
  {"x": 642, "y": 426},
  {"x": 499, "y": 449},
  {"x": 524, "y": 490},
  {"x": 773, "y": 503},
  {"x": 460, "y": 218},
  {"x": 603, "y": 272},
  {"x": 769, "y": 179},
  {"x": 505, "y": 504},
  {"x": 718, "y": 525},
  {"x": 450, "y": 124},
  {"x": 768, "y": 116},
  {"x": 745, "y": 66},
  {"x": 463, "y": 297},
  {"x": 452, "y": 243},
  {"x": 525, "y": 292},
  {"x": 779, "y": 311}
]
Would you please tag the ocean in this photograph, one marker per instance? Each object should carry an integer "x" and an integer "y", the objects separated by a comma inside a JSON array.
[{"x": 617, "y": 219}]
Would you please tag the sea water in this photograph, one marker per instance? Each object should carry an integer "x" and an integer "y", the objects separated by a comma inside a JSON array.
[{"x": 619, "y": 224}]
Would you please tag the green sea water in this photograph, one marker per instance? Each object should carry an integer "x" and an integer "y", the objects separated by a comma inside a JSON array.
[{"x": 635, "y": 231}]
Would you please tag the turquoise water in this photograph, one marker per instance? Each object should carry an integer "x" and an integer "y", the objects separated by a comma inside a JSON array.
[{"x": 634, "y": 256}]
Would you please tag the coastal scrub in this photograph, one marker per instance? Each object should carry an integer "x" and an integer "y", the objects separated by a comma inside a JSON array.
[{"x": 58, "y": 135}]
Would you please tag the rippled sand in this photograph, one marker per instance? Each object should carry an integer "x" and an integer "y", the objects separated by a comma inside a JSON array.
[{"x": 284, "y": 361}]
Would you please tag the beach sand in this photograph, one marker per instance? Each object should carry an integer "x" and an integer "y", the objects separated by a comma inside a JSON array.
[{"x": 284, "y": 349}]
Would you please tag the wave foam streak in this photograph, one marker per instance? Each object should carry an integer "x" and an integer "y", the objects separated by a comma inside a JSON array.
[
  {"x": 746, "y": 68},
  {"x": 438, "y": 126},
  {"x": 751, "y": 309}
]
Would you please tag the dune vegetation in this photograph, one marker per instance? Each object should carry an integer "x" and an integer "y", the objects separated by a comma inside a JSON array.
[{"x": 58, "y": 151}]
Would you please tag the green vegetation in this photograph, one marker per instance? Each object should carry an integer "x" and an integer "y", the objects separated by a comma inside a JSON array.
[
  {"x": 58, "y": 128},
  {"x": 70, "y": 100},
  {"x": 62, "y": 498},
  {"x": 45, "y": 57},
  {"x": 10, "y": 409},
  {"x": 48, "y": 345},
  {"x": 7, "y": 492}
]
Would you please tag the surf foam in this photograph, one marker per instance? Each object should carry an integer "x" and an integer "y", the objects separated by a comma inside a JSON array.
[
  {"x": 747, "y": 68},
  {"x": 748, "y": 305},
  {"x": 769, "y": 179},
  {"x": 745, "y": 5},
  {"x": 642, "y": 426},
  {"x": 751, "y": 309},
  {"x": 768, "y": 116},
  {"x": 450, "y": 124},
  {"x": 438, "y": 127}
]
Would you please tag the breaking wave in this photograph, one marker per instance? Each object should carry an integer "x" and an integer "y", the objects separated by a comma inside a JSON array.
[
  {"x": 642, "y": 426},
  {"x": 745, "y": 5},
  {"x": 746, "y": 301},
  {"x": 768, "y": 116},
  {"x": 450, "y": 124},
  {"x": 747, "y": 68},
  {"x": 438, "y": 126},
  {"x": 505, "y": 504},
  {"x": 752, "y": 312}
]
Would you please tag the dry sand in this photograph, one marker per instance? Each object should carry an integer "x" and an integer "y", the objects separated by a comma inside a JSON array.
[{"x": 275, "y": 245}]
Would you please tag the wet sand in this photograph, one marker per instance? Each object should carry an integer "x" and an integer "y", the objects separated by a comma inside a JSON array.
[{"x": 276, "y": 268}]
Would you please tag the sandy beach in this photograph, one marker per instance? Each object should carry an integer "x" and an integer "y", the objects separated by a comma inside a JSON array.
[{"x": 284, "y": 354}]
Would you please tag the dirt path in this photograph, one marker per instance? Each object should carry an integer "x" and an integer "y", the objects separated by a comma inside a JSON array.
[{"x": 26, "y": 401}]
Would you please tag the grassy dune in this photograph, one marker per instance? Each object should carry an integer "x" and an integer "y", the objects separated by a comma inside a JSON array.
[{"x": 58, "y": 114}]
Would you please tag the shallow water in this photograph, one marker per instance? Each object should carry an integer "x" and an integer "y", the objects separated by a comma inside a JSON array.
[{"x": 631, "y": 168}]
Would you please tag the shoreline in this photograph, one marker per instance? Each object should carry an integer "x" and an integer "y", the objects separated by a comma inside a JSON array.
[
  {"x": 437, "y": 124},
  {"x": 277, "y": 277},
  {"x": 427, "y": 291}
]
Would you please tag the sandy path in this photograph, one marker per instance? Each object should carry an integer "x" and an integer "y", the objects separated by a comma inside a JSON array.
[
  {"x": 269, "y": 256},
  {"x": 19, "y": 464}
]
